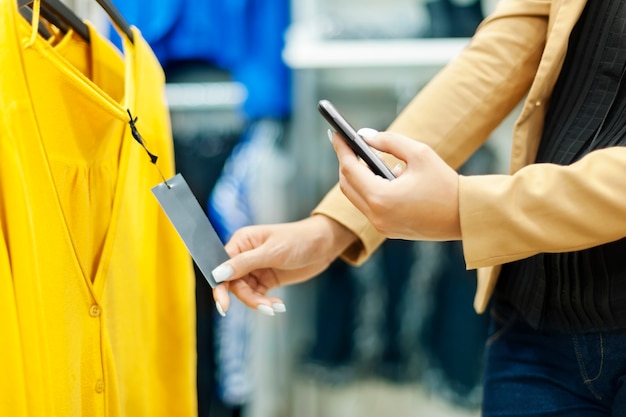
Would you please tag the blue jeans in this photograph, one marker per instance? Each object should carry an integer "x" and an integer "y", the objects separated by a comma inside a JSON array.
[{"x": 531, "y": 373}]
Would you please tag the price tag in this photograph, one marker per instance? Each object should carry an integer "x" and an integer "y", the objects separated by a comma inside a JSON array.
[{"x": 192, "y": 224}]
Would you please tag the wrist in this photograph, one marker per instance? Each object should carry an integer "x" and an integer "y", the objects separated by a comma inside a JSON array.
[{"x": 333, "y": 232}]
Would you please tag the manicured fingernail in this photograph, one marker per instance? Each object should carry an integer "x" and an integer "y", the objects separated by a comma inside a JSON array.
[
  {"x": 367, "y": 132},
  {"x": 397, "y": 167},
  {"x": 219, "y": 308},
  {"x": 267, "y": 310},
  {"x": 279, "y": 307},
  {"x": 222, "y": 273},
  {"x": 330, "y": 135}
]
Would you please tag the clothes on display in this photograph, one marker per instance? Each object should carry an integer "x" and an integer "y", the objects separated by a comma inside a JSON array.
[
  {"x": 233, "y": 205},
  {"x": 96, "y": 288},
  {"x": 203, "y": 140},
  {"x": 453, "y": 18},
  {"x": 245, "y": 40},
  {"x": 243, "y": 37}
]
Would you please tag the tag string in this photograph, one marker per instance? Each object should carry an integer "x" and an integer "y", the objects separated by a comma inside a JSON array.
[{"x": 153, "y": 158}]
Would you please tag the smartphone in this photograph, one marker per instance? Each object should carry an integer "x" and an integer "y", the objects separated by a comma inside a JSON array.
[{"x": 354, "y": 140}]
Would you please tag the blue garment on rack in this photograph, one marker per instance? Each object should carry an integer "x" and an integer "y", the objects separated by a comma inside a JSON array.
[
  {"x": 260, "y": 67},
  {"x": 154, "y": 18},
  {"x": 244, "y": 37},
  {"x": 230, "y": 207}
]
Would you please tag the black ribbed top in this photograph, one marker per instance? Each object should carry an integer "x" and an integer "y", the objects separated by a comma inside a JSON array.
[{"x": 583, "y": 290}]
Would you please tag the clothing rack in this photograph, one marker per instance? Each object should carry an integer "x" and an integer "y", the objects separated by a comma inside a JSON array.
[{"x": 61, "y": 15}]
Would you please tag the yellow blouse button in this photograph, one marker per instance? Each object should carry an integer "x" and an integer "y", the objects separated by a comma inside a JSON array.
[
  {"x": 99, "y": 386},
  {"x": 94, "y": 310}
]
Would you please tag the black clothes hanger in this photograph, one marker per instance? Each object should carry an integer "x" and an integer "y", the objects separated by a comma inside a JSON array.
[
  {"x": 61, "y": 16},
  {"x": 117, "y": 18},
  {"x": 49, "y": 15},
  {"x": 28, "y": 15},
  {"x": 64, "y": 18}
]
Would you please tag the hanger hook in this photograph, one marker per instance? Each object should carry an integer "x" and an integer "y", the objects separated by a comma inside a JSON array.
[{"x": 34, "y": 23}]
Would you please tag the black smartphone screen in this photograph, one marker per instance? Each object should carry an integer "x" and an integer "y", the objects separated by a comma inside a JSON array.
[{"x": 354, "y": 140}]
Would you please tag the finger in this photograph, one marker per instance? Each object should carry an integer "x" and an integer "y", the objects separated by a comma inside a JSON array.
[
  {"x": 353, "y": 194},
  {"x": 253, "y": 299},
  {"x": 354, "y": 181},
  {"x": 342, "y": 149},
  {"x": 348, "y": 160},
  {"x": 278, "y": 305},
  {"x": 393, "y": 144},
  {"x": 222, "y": 299},
  {"x": 355, "y": 177},
  {"x": 367, "y": 132},
  {"x": 259, "y": 288},
  {"x": 243, "y": 264},
  {"x": 397, "y": 169}
]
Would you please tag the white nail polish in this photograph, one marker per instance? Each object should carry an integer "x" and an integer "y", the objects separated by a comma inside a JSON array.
[
  {"x": 330, "y": 135},
  {"x": 219, "y": 308},
  {"x": 279, "y": 308},
  {"x": 367, "y": 132},
  {"x": 222, "y": 273},
  {"x": 267, "y": 310}
]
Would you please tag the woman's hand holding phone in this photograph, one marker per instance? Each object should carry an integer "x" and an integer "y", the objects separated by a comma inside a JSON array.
[
  {"x": 420, "y": 204},
  {"x": 354, "y": 140}
]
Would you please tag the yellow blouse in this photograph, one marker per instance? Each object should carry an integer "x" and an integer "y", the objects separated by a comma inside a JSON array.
[{"x": 96, "y": 289}]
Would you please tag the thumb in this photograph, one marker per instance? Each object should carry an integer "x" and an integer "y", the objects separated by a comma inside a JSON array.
[
  {"x": 240, "y": 265},
  {"x": 388, "y": 142}
]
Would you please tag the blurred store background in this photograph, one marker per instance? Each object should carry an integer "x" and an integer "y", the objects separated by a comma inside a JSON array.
[{"x": 397, "y": 336}]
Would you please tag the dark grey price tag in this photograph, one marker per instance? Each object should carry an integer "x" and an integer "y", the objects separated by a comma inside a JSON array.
[{"x": 192, "y": 224}]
